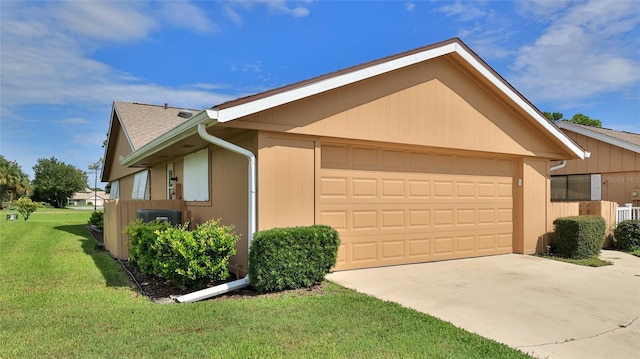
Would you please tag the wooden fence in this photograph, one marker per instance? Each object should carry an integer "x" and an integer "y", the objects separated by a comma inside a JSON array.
[{"x": 118, "y": 214}]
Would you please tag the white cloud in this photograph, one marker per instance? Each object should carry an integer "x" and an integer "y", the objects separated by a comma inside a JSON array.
[
  {"x": 590, "y": 49},
  {"x": 46, "y": 48},
  {"x": 464, "y": 10},
  {"x": 277, "y": 6},
  {"x": 409, "y": 6}
]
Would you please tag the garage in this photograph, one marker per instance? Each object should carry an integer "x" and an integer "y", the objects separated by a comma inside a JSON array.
[{"x": 399, "y": 206}]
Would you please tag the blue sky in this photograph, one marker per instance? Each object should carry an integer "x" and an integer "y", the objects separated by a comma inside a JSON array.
[{"x": 63, "y": 63}]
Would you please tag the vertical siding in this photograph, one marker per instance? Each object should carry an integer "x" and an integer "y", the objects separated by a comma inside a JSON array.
[
  {"x": 287, "y": 181},
  {"x": 535, "y": 199},
  {"x": 431, "y": 104}
]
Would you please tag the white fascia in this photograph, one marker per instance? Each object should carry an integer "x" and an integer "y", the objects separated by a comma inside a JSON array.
[
  {"x": 599, "y": 136},
  {"x": 232, "y": 113},
  {"x": 186, "y": 129},
  {"x": 543, "y": 121}
]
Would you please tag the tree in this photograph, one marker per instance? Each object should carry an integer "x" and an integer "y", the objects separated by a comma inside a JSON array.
[
  {"x": 585, "y": 120},
  {"x": 56, "y": 181},
  {"x": 25, "y": 207},
  {"x": 13, "y": 182},
  {"x": 95, "y": 167},
  {"x": 555, "y": 117}
]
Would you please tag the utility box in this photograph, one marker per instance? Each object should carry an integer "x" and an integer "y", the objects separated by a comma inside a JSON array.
[{"x": 172, "y": 216}]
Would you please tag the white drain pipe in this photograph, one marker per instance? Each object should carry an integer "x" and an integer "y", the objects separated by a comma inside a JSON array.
[{"x": 244, "y": 282}]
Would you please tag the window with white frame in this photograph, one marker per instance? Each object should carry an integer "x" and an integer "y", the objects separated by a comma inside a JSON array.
[
  {"x": 576, "y": 187},
  {"x": 141, "y": 185},
  {"x": 114, "y": 193},
  {"x": 196, "y": 176}
]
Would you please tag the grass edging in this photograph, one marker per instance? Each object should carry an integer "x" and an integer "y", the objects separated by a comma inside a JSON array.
[{"x": 587, "y": 262}]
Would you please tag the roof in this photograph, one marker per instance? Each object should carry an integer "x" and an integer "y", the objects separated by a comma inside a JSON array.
[
  {"x": 89, "y": 194},
  {"x": 143, "y": 122},
  {"x": 235, "y": 109},
  {"x": 626, "y": 140}
]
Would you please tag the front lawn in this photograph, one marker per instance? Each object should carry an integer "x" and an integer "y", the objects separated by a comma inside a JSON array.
[{"x": 59, "y": 297}]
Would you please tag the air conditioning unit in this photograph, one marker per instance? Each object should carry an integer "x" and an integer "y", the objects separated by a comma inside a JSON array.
[{"x": 172, "y": 216}]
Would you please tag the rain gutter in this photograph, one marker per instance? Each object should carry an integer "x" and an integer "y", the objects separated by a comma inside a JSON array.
[{"x": 251, "y": 159}]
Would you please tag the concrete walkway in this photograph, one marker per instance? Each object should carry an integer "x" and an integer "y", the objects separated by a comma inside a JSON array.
[{"x": 543, "y": 307}]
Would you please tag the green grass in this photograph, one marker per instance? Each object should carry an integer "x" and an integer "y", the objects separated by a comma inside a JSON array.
[
  {"x": 587, "y": 262},
  {"x": 61, "y": 298}
]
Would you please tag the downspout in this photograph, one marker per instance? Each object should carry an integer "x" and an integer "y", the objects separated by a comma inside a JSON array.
[
  {"x": 244, "y": 282},
  {"x": 558, "y": 166}
]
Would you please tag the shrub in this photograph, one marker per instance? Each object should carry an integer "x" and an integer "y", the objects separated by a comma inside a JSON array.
[
  {"x": 195, "y": 257},
  {"x": 291, "y": 258},
  {"x": 184, "y": 257},
  {"x": 142, "y": 238},
  {"x": 25, "y": 207},
  {"x": 579, "y": 237},
  {"x": 627, "y": 235},
  {"x": 97, "y": 219}
]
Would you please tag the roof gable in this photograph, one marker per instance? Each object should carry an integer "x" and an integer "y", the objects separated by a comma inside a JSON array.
[
  {"x": 240, "y": 108},
  {"x": 627, "y": 140}
]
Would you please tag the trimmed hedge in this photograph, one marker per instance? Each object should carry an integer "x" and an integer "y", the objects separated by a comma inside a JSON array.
[
  {"x": 579, "y": 237},
  {"x": 191, "y": 258},
  {"x": 291, "y": 258},
  {"x": 627, "y": 235}
]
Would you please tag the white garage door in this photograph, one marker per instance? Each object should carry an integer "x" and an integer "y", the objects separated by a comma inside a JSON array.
[{"x": 394, "y": 206}]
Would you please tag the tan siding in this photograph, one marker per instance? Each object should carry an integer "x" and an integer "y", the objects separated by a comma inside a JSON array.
[
  {"x": 620, "y": 168},
  {"x": 158, "y": 182},
  {"x": 431, "y": 104},
  {"x": 122, "y": 148},
  {"x": 536, "y": 197},
  {"x": 286, "y": 183}
]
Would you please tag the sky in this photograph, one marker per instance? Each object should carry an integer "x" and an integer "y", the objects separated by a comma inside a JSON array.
[{"x": 63, "y": 63}]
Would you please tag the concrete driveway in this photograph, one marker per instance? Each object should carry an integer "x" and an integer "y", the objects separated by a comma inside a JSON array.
[{"x": 543, "y": 307}]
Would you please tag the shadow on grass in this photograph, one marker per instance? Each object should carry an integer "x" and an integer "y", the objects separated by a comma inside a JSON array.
[{"x": 110, "y": 269}]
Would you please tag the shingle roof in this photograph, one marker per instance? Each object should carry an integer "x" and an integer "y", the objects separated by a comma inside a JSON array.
[
  {"x": 629, "y": 137},
  {"x": 143, "y": 123}
]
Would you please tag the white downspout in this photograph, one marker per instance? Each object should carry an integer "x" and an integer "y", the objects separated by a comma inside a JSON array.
[
  {"x": 244, "y": 282},
  {"x": 558, "y": 166}
]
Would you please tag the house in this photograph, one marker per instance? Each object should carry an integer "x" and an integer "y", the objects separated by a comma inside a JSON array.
[
  {"x": 611, "y": 173},
  {"x": 88, "y": 197},
  {"x": 421, "y": 156}
]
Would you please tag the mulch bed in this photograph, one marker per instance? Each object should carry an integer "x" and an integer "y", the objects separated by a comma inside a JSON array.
[{"x": 162, "y": 291}]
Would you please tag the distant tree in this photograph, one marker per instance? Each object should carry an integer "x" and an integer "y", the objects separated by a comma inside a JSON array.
[
  {"x": 13, "y": 182},
  {"x": 95, "y": 167},
  {"x": 555, "y": 117},
  {"x": 25, "y": 207},
  {"x": 585, "y": 120},
  {"x": 56, "y": 181}
]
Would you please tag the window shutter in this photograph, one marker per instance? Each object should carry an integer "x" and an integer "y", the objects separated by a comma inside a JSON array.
[
  {"x": 596, "y": 187},
  {"x": 196, "y": 176}
]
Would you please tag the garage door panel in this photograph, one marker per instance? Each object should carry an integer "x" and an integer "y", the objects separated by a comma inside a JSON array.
[{"x": 394, "y": 207}]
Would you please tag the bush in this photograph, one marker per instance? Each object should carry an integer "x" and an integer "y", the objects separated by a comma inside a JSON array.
[
  {"x": 195, "y": 257},
  {"x": 142, "y": 238},
  {"x": 291, "y": 258},
  {"x": 579, "y": 237},
  {"x": 97, "y": 219},
  {"x": 25, "y": 207},
  {"x": 184, "y": 257},
  {"x": 627, "y": 235}
]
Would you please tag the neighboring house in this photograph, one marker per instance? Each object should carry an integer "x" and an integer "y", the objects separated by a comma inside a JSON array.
[
  {"x": 88, "y": 197},
  {"x": 611, "y": 173},
  {"x": 421, "y": 156}
]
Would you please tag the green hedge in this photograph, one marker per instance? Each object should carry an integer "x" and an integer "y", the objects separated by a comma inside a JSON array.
[
  {"x": 191, "y": 258},
  {"x": 97, "y": 219},
  {"x": 579, "y": 237},
  {"x": 291, "y": 258},
  {"x": 627, "y": 235}
]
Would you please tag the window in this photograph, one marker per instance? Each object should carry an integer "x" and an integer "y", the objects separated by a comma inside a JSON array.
[
  {"x": 576, "y": 188},
  {"x": 114, "y": 193},
  {"x": 170, "y": 182},
  {"x": 196, "y": 176},
  {"x": 141, "y": 186}
]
